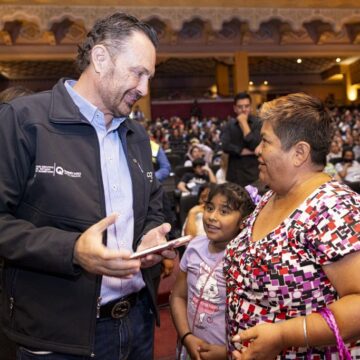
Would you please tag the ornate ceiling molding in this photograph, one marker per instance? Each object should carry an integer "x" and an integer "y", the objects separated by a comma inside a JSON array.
[
  {"x": 187, "y": 29},
  {"x": 40, "y": 32},
  {"x": 46, "y": 15}
]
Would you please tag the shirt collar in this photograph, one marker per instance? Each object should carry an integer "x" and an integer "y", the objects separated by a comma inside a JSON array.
[{"x": 87, "y": 109}]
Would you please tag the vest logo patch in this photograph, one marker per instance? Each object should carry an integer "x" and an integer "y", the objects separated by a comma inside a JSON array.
[
  {"x": 56, "y": 170},
  {"x": 149, "y": 175}
]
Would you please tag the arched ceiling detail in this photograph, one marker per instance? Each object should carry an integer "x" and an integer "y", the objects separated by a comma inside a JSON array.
[
  {"x": 176, "y": 17},
  {"x": 54, "y": 31}
]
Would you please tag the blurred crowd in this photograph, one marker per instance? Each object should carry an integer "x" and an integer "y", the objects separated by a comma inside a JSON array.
[{"x": 185, "y": 140}]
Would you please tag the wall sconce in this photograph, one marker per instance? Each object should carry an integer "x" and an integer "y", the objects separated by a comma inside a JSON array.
[{"x": 351, "y": 93}]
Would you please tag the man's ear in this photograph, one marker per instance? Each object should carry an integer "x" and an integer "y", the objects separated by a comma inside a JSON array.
[
  {"x": 99, "y": 57},
  {"x": 302, "y": 152},
  {"x": 235, "y": 110}
]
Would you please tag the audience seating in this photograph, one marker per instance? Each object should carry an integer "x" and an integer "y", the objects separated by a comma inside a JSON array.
[
  {"x": 180, "y": 171},
  {"x": 175, "y": 159},
  {"x": 186, "y": 203}
]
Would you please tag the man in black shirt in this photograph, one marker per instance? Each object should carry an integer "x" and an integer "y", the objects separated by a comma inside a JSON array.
[{"x": 239, "y": 139}]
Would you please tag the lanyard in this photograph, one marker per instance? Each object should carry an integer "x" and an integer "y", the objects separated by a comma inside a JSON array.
[
  {"x": 180, "y": 346},
  {"x": 203, "y": 289}
]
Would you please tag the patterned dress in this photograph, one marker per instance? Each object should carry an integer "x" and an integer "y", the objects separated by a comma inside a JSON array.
[{"x": 280, "y": 276}]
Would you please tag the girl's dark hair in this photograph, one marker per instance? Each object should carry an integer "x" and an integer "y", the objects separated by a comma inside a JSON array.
[
  {"x": 112, "y": 32},
  {"x": 238, "y": 198}
]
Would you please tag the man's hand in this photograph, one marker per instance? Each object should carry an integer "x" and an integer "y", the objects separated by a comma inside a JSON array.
[
  {"x": 243, "y": 123},
  {"x": 155, "y": 237},
  {"x": 206, "y": 168},
  {"x": 210, "y": 173},
  {"x": 92, "y": 255}
]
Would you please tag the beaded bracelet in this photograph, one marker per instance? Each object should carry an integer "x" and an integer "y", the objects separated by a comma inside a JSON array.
[
  {"x": 182, "y": 339},
  {"x": 330, "y": 320}
]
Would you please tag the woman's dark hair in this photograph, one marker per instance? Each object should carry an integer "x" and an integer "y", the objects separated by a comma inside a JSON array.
[
  {"x": 238, "y": 198},
  {"x": 13, "y": 92},
  {"x": 112, "y": 31},
  {"x": 300, "y": 117}
]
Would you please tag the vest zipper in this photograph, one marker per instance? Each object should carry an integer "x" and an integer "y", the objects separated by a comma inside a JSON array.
[
  {"x": 138, "y": 164},
  {"x": 98, "y": 307},
  {"x": 11, "y": 306}
]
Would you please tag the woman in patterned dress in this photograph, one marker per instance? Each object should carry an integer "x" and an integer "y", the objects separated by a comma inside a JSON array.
[{"x": 300, "y": 250}]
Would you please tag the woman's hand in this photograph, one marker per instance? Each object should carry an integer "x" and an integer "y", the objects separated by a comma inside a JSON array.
[{"x": 265, "y": 342}]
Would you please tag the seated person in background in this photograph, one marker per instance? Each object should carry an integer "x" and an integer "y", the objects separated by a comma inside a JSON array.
[
  {"x": 221, "y": 172},
  {"x": 348, "y": 169},
  {"x": 356, "y": 143},
  {"x": 330, "y": 170},
  {"x": 195, "y": 152},
  {"x": 191, "y": 181},
  {"x": 206, "y": 152},
  {"x": 137, "y": 114},
  {"x": 160, "y": 161},
  {"x": 193, "y": 224},
  {"x": 335, "y": 151}
]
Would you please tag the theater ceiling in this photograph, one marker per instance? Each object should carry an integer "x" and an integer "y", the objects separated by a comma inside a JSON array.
[{"x": 38, "y": 39}]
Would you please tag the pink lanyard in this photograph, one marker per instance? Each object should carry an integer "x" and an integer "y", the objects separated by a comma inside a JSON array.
[{"x": 200, "y": 298}]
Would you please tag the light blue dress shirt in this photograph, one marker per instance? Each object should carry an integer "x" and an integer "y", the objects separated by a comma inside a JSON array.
[{"x": 117, "y": 190}]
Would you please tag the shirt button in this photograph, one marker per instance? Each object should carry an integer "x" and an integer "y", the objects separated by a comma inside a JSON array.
[{"x": 114, "y": 187}]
